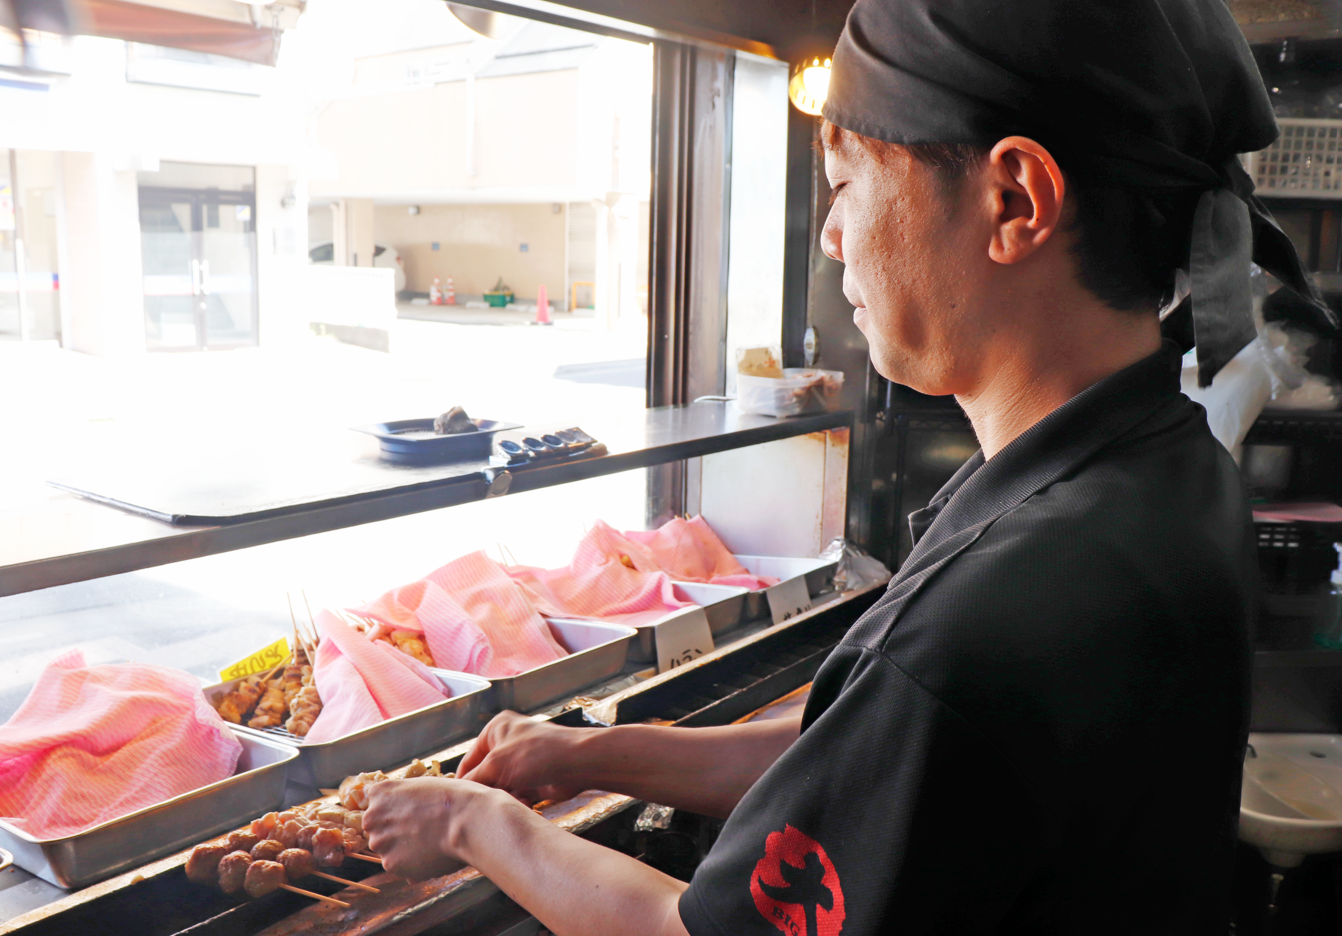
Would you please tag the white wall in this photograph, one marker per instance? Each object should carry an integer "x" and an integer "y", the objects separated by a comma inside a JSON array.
[
  {"x": 102, "y": 302},
  {"x": 281, "y": 257}
]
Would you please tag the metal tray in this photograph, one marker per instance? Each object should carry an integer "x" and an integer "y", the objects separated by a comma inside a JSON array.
[
  {"x": 388, "y": 743},
  {"x": 413, "y": 441},
  {"x": 596, "y": 651},
  {"x": 819, "y": 578},
  {"x": 98, "y": 853},
  {"x": 722, "y": 604}
]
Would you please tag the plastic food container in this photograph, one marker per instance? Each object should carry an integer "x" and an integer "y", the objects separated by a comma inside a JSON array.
[{"x": 799, "y": 390}]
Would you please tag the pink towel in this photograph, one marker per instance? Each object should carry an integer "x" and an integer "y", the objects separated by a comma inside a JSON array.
[
  {"x": 598, "y": 585},
  {"x": 363, "y": 682},
  {"x": 689, "y": 551},
  {"x": 93, "y": 744},
  {"x": 474, "y": 618}
]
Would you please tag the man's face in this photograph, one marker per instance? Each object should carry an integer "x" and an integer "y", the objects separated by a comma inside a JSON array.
[{"x": 910, "y": 270}]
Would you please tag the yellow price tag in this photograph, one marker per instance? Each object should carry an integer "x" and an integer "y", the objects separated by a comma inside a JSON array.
[{"x": 267, "y": 658}]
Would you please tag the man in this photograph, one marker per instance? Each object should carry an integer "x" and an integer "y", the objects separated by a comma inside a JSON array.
[{"x": 1039, "y": 727}]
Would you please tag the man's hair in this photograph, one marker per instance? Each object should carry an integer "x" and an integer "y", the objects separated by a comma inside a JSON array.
[{"x": 1128, "y": 242}]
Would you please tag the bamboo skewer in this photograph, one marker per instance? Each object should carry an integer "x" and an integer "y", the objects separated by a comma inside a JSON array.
[
  {"x": 373, "y": 858},
  {"x": 315, "y": 896},
  {"x": 339, "y": 880}
]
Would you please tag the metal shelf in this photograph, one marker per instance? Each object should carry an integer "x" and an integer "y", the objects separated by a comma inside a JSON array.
[
  {"x": 1296, "y": 427},
  {"x": 64, "y": 538}
]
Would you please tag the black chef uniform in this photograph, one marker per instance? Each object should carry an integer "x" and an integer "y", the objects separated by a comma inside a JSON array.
[{"x": 1037, "y": 729}]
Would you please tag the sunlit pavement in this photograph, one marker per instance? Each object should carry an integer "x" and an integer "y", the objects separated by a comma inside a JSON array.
[{"x": 63, "y": 408}]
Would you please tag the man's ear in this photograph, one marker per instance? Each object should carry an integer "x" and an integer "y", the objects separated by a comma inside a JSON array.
[{"x": 1028, "y": 191}]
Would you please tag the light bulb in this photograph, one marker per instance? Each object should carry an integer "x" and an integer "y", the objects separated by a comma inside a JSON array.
[{"x": 809, "y": 85}]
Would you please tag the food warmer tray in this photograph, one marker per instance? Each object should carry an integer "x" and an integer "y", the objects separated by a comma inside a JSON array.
[
  {"x": 388, "y": 743},
  {"x": 724, "y": 606},
  {"x": 413, "y": 441},
  {"x": 84, "y": 858},
  {"x": 819, "y": 575},
  {"x": 596, "y": 651}
]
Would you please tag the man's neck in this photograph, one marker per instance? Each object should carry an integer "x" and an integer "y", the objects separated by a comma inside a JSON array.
[{"x": 1026, "y": 381}]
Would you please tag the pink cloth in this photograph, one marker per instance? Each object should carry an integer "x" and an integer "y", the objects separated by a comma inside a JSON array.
[
  {"x": 363, "y": 682},
  {"x": 689, "y": 551},
  {"x": 474, "y": 618},
  {"x": 1295, "y": 513},
  {"x": 93, "y": 744},
  {"x": 598, "y": 585}
]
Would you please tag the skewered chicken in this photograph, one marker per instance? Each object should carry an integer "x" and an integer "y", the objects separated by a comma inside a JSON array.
[
  {"x": 233, "y": 871},
  {"x": 298, "y": 863},
  {"x": 328, "y": 848},
  {"x": 236, "y": 704},
  {"x": 304, "y": 709},
  {"x": 270, "y": 710},
  {"x": 268, "y": 850},
  {"x": 263, "y": 877},
  {"x": 353, "y": 792},
  {"x": 242, "y": 841},
  {"x": 203, "y": 865},
  {"x": 266, "y": 825}
]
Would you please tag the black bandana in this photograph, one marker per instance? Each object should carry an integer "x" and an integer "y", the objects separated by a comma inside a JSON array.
[{"x": 1147, "y": 94}]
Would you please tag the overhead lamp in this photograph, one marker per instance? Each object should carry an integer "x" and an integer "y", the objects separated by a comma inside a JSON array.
[{"x": 809, "y": 84}]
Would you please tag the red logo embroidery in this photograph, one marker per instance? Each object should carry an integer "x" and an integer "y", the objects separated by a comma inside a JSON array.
[{"x": 796, "y": 887}]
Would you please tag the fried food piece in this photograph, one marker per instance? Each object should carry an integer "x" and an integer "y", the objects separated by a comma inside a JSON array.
[
  {"x": 353, "y": 792},
  {"x": 265, "y": 827},
  {"x": 298, "y": 863},
  {"x": 412, "y": 644},
  {"x": 263, "y": 877},
  {"x": 233, "y": 871},
  {"x": 268, "y": 850},
  {"x": 304, "y": 839},
  {"x": 328, "y": 848},
  {"x": 417, "y": 768},
  {"x": 203, "y": 864},
  {"x": 236, "y": 704},
  {"x": 453, "y": 421},
  {"x": 242, "y": 841},
  {"x": 270, "y": 710}
]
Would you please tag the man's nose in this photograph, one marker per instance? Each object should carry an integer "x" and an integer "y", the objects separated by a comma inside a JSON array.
[{"x": 831, "y": 237}]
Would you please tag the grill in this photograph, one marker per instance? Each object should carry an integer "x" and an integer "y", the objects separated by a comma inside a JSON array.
[{"x": 715, "y": 689}]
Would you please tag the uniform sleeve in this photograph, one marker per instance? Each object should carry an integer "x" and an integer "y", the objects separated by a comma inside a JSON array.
[{"x": 889, "y": 814}]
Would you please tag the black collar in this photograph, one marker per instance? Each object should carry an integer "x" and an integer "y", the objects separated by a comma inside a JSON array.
[{"x": 983, "y": 489}]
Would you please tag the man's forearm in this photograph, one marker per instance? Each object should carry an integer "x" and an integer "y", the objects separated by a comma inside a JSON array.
[
  {"x": 571, "y": 885},
  {"x": 704, "y": 770}
]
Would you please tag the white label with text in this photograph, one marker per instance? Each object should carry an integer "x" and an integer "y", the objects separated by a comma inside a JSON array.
[
  {"x": 682, "y": 637},
  {"x": 788, "y": 599}
]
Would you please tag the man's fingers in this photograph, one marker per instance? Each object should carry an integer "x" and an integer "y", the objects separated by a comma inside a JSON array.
[{"x": 479, "y": 750}]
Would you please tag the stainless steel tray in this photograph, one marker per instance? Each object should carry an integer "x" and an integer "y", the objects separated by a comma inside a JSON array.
[
  {"x": 384, "y": 745},
  {"x": 98, "y": 853},
  {"x": 724, "y": 606},
  {"x": 596, "y": 651},
  {"x": 819, "y": 578}
]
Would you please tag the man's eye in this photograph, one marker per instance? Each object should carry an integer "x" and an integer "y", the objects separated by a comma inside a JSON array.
[{"x": 834, "y": 193}]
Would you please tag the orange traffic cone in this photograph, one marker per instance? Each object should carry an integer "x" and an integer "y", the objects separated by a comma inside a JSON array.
[
  {"x": 435, "y": 294},
  {"x": 451, "y": 293},
  {"x": 542, "y": 308}
]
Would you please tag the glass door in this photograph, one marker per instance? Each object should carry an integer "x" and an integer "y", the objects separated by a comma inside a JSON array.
[{"x": 199, "y": 256}]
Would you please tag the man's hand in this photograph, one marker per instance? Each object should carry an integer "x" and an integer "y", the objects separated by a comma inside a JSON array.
[
  {"x": 532, "y": 760},
  {"x": 419, "y": 826}
]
